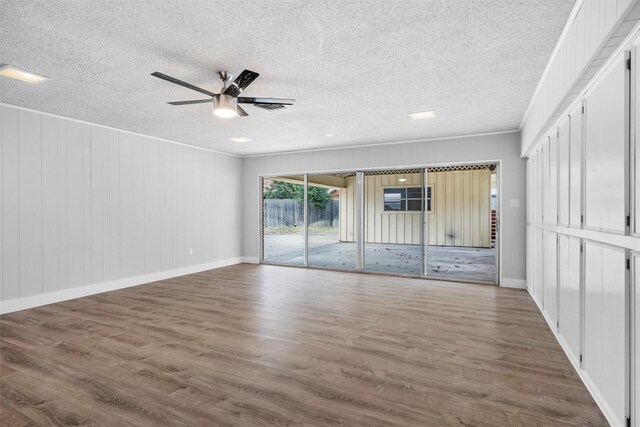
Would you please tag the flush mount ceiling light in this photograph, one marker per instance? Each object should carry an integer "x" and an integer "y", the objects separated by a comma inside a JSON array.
[
  {"x": 402, "y": 179},
  {"x": 329, "y": 135},
  {"x": 238, "y": 139},
  {"x": 18, "y": 74},
  {"x": 421, "y": 115}
]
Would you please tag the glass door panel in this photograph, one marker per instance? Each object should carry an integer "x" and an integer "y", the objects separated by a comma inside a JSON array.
[
  {"x": 283, "y": 220},
  {"x": 393, "y": 222},
  {"x": 332, "y": 221},
  {"x": 460, "y": 223}
]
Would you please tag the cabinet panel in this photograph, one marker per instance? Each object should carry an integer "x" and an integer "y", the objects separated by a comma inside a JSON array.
[
  {"x": 563, "y": 171},
  {"x": 569, "y": 293},
  {"x": 605, "y": 326},
  {"x": 636, "y": 339},
  {"x": 544, "y": 170},
  {"x": 550, "y": 267},
  {"x": 552, "y": 217},
  {"x": 605, "y": 151},
  {"x": 575, "y": 167}
]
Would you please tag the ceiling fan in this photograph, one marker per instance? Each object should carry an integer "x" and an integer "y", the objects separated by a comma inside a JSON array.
[{"x": 225, "y": 103}]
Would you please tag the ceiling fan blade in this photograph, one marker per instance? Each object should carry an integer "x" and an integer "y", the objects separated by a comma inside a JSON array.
[
  {"x": 269, "y": 107},
  {"x": 181, "y": 83},
  {"x": 241, "y": 82},
  {"x": 197, "y": 101},
  {"x": 251, "y": 100},
  {"x": 241, "y": 112}
]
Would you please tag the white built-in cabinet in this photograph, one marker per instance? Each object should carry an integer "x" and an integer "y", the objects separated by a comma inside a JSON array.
[
  {"x": 606, "y": 151},
  {"x": 605, "y": 324},
  {"x": 582, "y": 191},
  {"x": 550, "y": 277},
  {"x": 563, "y": 135},
  {"x": 575, "y": 167}
]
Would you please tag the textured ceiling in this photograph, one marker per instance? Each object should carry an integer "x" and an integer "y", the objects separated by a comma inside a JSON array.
[{"x": 355, "y": 68}]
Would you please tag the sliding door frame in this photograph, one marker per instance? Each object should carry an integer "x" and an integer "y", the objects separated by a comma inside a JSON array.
[{"x": 360, "y": 215}]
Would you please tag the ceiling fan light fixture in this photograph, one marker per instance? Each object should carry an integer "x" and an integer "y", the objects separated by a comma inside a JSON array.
[{"x": 225, "y": 106}]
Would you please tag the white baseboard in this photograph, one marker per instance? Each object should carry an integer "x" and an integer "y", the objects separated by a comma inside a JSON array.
[
  {"x": 251, "y": 260},
  {"x": 607, "y": 411},
  {"x": 513, "y": 283},
  {"x": 97, "y": 288}
]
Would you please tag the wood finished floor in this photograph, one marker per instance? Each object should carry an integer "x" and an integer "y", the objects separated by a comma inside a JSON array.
[{"x": 261, "y": 345}]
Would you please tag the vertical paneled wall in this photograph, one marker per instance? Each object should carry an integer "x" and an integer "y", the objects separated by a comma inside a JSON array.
[
  {"x": 83, "y": 204},
  {"x": 586, "y": 33},
  {"x": 579, "y": 235}
]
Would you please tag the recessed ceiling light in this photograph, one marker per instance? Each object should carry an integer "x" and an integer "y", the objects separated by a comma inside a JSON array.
[
  {"x": 17, "y": 73},
  {"x": 329, "y": 134},
  {"x": 402, "y": 179},
  {"x": 238, "y": 139},
  {"x": 420, "y": 115}
]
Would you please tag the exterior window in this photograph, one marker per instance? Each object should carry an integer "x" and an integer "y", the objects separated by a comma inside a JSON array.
[{"x": 405, "y": 199}]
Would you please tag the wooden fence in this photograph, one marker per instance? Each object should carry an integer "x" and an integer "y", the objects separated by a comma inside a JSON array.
[{"x": 290, "y": 213}]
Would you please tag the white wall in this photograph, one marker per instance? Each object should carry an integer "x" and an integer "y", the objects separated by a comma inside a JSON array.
[
  {"x": 581, "y": 277},
  {"x": 83, "y": 204},
  {"x": 504, "y": 147}
]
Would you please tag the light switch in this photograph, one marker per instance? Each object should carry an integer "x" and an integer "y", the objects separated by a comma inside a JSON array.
[{"x": 515, "y": 203}]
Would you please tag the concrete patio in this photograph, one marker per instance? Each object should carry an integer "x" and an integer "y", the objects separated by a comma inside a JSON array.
[{"x": 459, "y": 263}]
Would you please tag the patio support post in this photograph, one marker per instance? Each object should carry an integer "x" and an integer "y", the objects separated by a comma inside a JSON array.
[
  {"x": 360, "y": 218},
  {"x": 306, "y": 221}
]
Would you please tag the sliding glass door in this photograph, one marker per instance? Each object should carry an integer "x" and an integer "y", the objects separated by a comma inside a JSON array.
[{"x": 438, "y": 222}]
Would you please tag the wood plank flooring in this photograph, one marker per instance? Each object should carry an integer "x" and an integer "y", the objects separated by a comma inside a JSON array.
[{"x": 262, "y": 345}]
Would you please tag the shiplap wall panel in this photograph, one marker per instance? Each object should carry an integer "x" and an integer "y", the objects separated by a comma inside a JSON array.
[
  {"x": 569, "y": 293},
  {"x": 75, "y": 205},
  {"x": 575, "y": 167},
  {"x": 30, "y": 146},
  {"x": 605, "y": 323},
  {"x": 50, "y": 211},
  {"x": 593, "y": 23},
  {"x": 605, "y": 152},
  {"x": 83, "y": 204},
  {"x": 563, "y": 171},
  {"x": 10, "y": 204},
  {"x": 63, "y": 206}
]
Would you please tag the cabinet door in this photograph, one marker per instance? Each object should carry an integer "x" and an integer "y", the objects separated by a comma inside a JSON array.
[
  {"x": 605, "y": 151},
  {"x": 550, "y": 267},
  {"x": 563, "y": 171},
  {"x": 636, "y": 339},
  {"x": 544, "y": 170},
  {"x": 575, "y": 167},
  {"x": 553, "y": 180},
  {"x": 605, "y": 324},
  {"x": 569, "y": 293}
]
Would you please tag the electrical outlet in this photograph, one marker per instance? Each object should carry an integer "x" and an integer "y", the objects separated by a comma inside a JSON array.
[{"x": 190, "y": 251}]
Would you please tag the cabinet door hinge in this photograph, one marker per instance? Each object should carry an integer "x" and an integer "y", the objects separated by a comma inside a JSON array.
[
  {"x": 583, "y": 109},
  {"x": 628, "y": 264},
  {"x": 628, "y": 221},
  {"x": 628, "y": 63},
  {"x": 581, "y": 219},
  {"x": 580, "y": 358},
  {"x": 558, "y": 324},
  {"x": 628, "y": 421}
]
